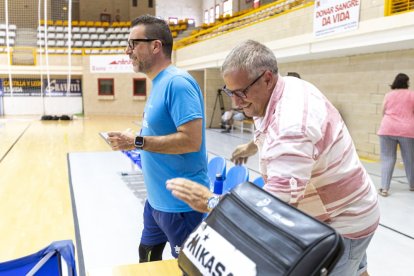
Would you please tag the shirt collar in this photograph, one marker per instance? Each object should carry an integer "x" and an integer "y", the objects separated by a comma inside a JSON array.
[{"x": 263, "y": 122}]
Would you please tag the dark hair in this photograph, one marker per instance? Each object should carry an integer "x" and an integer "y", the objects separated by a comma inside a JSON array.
[
  {"x": 156, "y": 28},
  {"x": 400, "y": 81},
  {"x": 293, "y": 74}
]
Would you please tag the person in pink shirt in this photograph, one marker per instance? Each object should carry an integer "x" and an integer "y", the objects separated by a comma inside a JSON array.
[
  {"x": 307, "y": 156},
  {"x": 397, "y": 128}
]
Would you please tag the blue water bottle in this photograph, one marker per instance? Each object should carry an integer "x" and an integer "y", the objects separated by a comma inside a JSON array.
[{"x": 218, "y": 184}]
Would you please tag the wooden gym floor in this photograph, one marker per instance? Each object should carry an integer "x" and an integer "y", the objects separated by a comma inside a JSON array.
[
  {"x": 35, "y": 205},
  {"x": 35, "y": 202}
]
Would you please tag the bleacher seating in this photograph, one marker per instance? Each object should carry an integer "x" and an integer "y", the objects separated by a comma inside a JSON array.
[
  {"x": 96, "y": 37},
  {"x": 107, "y": 44},
  {"x": 78, "y": 44},
  {"x": 87, "y": 43},
  {"x": 60, "y": 43},
  {"x": 11, "y": 34},
  {"x": 241, "y": 19}
]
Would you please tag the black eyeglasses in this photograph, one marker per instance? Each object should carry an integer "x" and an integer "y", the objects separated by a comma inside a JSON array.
[
  {"x": 132, "y": 42},
  {"x": 242, "y": 92}
]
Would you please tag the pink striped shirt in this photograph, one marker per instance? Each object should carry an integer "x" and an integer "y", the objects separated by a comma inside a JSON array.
[{"x": 308, "y": 159}]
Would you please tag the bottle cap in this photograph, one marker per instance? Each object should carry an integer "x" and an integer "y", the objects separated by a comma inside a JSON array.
[{"x": 218, "y": 175}]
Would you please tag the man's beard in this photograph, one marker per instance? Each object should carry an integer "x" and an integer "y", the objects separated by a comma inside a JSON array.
[{"x": 142, "y": 67}]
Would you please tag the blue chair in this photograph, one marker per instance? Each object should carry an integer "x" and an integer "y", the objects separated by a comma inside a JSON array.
[
  {"x": 134, "y": 156},
  {"x": 235, "y": 176},
  {"x": 47, "y": 261},
  {"x": 215, "y": 166},
  {"x": 259, "y": 182}
]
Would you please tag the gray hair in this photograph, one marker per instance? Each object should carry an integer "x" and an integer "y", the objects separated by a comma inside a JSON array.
[{"x": 252, "y": 57}]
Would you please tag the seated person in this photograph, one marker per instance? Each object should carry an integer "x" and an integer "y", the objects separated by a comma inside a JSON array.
[
  {"x": 293, "y": 74},
  {"x": 227, "y": 119}
]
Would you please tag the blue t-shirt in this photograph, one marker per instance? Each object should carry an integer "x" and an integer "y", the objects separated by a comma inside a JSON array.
[{"x": 175, "y": 99}]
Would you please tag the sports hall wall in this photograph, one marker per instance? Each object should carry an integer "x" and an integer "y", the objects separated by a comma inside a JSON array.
[
  {"x": 353, "y": 69},
  {"x": 123, "y": 102},
  {"x": 25, "y": 17},
  {"x": 119, "y": 10},
  {"x": 27, "y": 80},
  {"x": 27, "y": 99},
  {"x": 355, "y": 84},
  {"x": 181, "y": 9}
]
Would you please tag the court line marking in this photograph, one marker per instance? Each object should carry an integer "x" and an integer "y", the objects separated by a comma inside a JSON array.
[{"x": 15, "y": 142}]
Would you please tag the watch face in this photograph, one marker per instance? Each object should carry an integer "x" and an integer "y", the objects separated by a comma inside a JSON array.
[
  {"x": 139, "y": 141},
  {"x": 212, "y": 202}
]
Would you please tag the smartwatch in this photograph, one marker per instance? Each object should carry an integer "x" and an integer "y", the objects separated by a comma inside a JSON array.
[{"x": 139, "y": 142}]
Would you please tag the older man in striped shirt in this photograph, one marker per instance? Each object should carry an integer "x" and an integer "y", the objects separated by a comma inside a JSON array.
[{"x": 307, "y": 156}]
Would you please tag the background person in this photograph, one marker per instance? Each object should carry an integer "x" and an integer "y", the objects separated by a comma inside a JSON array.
[
  {"x": 397, "y": 128},
  {"x": 229, "y": 117},
  {"x": 172, "y": 139},
  {"x": 307, "y": 156},
  {"x": 227, "y": 120},
  {"x": 293, "y": 74}
]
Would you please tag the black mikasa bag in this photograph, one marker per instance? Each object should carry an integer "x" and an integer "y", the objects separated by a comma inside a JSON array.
[{"x": 252, "y": 232}]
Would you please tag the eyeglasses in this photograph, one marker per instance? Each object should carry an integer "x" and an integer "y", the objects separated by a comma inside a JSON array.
[
  {"x": 242, "y": 92},
  {"x": 132, "y": 42}
]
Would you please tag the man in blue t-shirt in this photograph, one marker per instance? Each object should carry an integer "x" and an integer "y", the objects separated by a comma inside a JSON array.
[{"x": 172, "y": 139}]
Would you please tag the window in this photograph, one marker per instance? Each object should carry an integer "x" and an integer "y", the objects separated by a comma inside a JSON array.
[
  {"x": 105, "y": 87},
  {"x": 206, "y": 16},
  {"x": 150, "y": 4},
  {"x": 211, "y": 15},
  {"x": 228, "y": 7},
  {"x": 172, "y": 20},
  {"x": 191, "y": 22},
  {"x": 140, "y": 87},
  {"x": 217, "y": 11},
  {"x": 105, "y": 17},
  {"x": 135, "y": 3}
]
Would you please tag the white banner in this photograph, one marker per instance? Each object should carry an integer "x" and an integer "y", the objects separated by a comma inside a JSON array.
[
  {"x": 212, "y": 254},
  {"x": 110, "y": 64},
  {"x": 335, "y": 16}
]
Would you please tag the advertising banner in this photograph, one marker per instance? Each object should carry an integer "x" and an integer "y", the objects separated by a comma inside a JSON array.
[
  {"x": 335, "y": 16},
  {"x": 59, "y": 87},
  {"x": 33, "y": 87},
  {"x": 22, "y": 87},
  {"x": 110, "y": 64}
]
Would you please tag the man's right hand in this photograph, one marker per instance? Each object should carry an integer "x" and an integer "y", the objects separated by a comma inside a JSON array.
[
  {"x": 192, "y": 193},
  {"x": 243, "y": 152}
]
